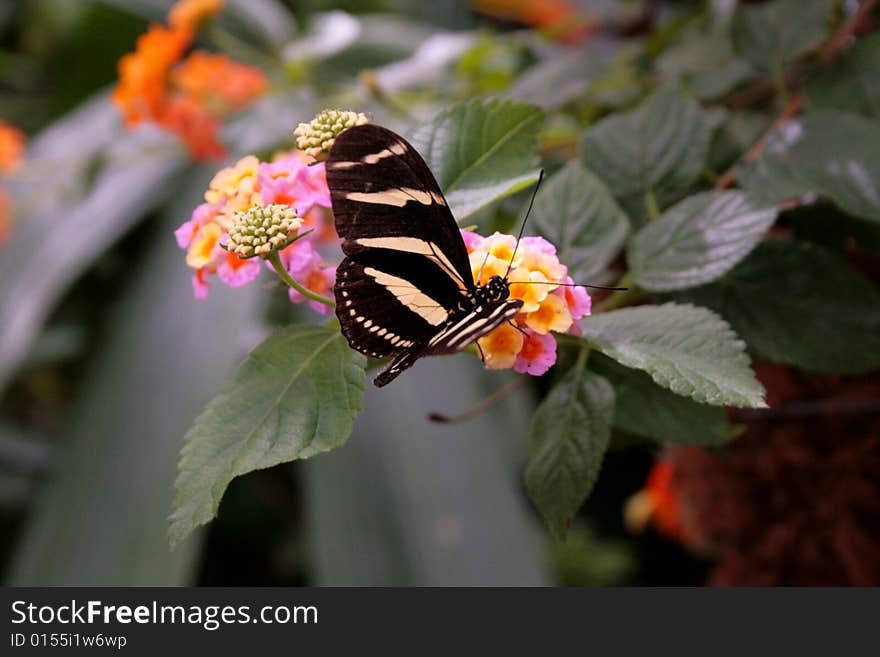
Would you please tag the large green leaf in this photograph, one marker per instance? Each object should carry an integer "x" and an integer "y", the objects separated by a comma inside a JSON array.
[
  {"x": 101, "y": 515},
  {"x": 576, "y": 212},
  {"x": 409, "y": 502},
  {"x": 827, "y": 153},
  {"x": 555, "y": 81},
  {"x": 697, "y": 240},
  {"x": 851, "y": 83},
  {"x": 568, "y": 438},
  {"x": 688, "y": 349},
  {"x": 61, "y": 228},
  {"x": 296, "y": 395},
  {"x": 657, "y": 150},
  {"x": 801, "y": 304},
  {"x": 643, "y": 408},
  {"x": 735, "y": 136},
  {"x": 775, "y": 33},
  {"x": 481, "y": 151},
  {"x": 703, "y": 59}
]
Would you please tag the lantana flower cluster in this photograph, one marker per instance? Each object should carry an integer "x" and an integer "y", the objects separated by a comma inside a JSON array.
[
  {"x": 248, "y": 186},
  {"x": 186, "y": 96},
  {"x": 11, "y": 149},
  {"x": 534, "y": 273}
]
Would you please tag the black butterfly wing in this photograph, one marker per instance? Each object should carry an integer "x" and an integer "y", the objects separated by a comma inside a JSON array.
[
  {"x": 406, "y": 267},
  {"x": 381, "y": 189}
]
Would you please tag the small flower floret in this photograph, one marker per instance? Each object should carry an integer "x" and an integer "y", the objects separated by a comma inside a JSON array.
[
  {"x": 316, "y": 137},
  {"x": 260, "y": 230}
]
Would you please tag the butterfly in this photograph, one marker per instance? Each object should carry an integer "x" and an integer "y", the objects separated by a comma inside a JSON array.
[{"x": 405, "y": 287}]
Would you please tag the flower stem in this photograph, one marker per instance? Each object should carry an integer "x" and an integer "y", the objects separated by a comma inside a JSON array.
[
  {"x": 275, "y": 259},
  {"x": 651, "y": 204}
]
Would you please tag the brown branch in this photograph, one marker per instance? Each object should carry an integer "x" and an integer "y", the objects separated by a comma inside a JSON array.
[
  {"x": 791, "y": 110},
  {"x": 860, "y": 22},
  {"x": 855, "y": 24}
]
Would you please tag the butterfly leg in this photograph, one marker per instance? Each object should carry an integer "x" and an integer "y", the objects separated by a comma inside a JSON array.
[
  {"x": 518, "y": 328},
  {"x": 480, "y": 351}
]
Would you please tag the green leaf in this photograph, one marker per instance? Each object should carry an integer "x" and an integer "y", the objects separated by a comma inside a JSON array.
[
  {"x": 100, "y": 517},
  {"x": 776, "y": 33},
  {"x": 851, "y": 83},
  {"x": 643, "y": 408},
  {"x": 568, "y": 438},
  {"x": 555, "y": 81},
  {"x": 703, "y": 59},
  {"x": 62, "y": 228},
  {"x": 409, "y": 502},
  {"x": 481, "y": 151},
  {"x": 658, "y": 149},
  {"x": 697, "y": 240},
  {"x": 688, "y": 349},
  {"x": 800, "y": 304},
  {"x": 828, "y": 226},
  {"x": 296, "y": 395},
  {"x": 576, "y": 212},
  {"x": 827, "y": 153},
  {"x": 735, "y": 136}
]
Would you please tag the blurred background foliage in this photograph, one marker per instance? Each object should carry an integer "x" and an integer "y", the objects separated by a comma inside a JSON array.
[{"x": 105, "y": 357}]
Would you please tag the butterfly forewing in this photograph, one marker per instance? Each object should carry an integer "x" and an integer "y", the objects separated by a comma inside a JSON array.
[{"x": 384, "y": 196}]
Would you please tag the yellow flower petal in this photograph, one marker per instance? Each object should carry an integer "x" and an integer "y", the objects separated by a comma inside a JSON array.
[
  {"x": 552, "y": 315},
  {"x": 501, "y": 346},
  {"x": 201, "y": 249},
  {"x": 521, "y": 288}
]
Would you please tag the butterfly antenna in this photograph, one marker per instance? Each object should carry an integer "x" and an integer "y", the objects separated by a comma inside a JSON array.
[
  {"x": 482, "y": 407},
  {"x": 523, "y": 226},
  {"x": 560, "y": 284},
  {"x": 480, "y": 275}
]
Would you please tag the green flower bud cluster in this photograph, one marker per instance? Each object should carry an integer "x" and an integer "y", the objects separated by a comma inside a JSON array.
[
  {"x": 260, "y": 230},
  {"x": 316, "y": 137}
]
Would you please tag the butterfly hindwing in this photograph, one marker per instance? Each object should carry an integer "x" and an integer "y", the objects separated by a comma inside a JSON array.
[
  {"x": 458, "y": 332},
  {"x": 375, "y": 316}
]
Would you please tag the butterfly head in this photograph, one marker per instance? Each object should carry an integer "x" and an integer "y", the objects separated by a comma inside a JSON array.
[{"x": 495, "y": 289}]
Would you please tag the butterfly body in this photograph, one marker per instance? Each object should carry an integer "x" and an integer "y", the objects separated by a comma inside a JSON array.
[{"x": 405, "y": 288}]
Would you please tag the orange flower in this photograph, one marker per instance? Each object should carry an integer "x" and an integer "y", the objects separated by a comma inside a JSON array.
[
  {"x": 551, "y": 315},
  {"x": 561, "y": 18},
  {"x": 143, "y": 74},
  {"x": 197, "y": 126},
  {"x": 189, "y": 14},
  {"x": 501, "y": 347},
  {"x": 11, "y": 147},
  {"x": 219, "y": 81},
  {"x": 5, "y": 217},
  {"x": 656, "y": 504},
  {"x": 190, "y": 98},
  {"x": 521, "y": 288},
  {"x": 201, "y": 250}
]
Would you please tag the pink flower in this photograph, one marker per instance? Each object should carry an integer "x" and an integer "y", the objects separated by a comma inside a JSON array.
[
  {"x": 235, "y": 271},
  {"x": 306, "y": 266},
  {"x": 472, "y": 240},
  {"x": 537, "y": 245},
  {"x": 300, "y": 258},
  {"x": 202, "y": 215},
  {"x": 576, "y": 298},
  {"x": 316, "y": 183},
  {"x": 538, "y": 354},
  {"x": 288, "y": 181},
  {"x": 200, "y": 285},
  {"x": 320, "y": 281}
]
